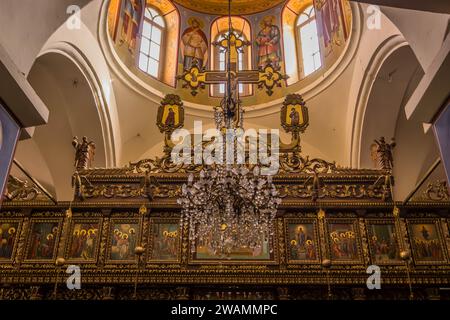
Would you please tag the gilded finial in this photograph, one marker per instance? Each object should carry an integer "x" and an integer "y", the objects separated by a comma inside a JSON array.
[
  {"x": 69, "y": 213},
  {"x": 396, "y": 212},
  {"x": 143, "y": 209},
  {"x": 321, "y": 214}
]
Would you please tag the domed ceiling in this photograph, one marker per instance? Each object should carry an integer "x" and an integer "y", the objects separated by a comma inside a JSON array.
[{"x": 220, "y": 7}]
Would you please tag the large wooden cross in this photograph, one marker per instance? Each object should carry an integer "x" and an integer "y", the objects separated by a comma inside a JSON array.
[{"x": 268, "y": 77}]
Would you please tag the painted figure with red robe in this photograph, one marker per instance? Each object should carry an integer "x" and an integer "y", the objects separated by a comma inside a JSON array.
[
  {"x": 268, "y": 42},
  {"x": 329, "y": 12},
  {"x": 132, "y": 14},
  {"x": 194, "y": 45}
]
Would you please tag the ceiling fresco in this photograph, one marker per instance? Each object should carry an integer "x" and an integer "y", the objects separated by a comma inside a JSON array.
[{"x": 220, "y": 7}]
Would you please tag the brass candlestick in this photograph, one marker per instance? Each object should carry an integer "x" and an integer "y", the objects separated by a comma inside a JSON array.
[
  {"x": 58, "y": 263},
  {"x": 326, "y": 264},
  {"x": 405, "y": 255},
  {"x": 139, "y": 251}
]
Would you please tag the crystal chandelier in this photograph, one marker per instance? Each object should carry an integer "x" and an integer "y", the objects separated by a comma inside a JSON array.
[{"x": 229, "y": 206}]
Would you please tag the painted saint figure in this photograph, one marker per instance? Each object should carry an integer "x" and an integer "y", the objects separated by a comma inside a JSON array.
[
  {"x": 194, "y": 45},
  {"x": 131, "y": 19},
  {"x": 295, "y": 118},
  {"x": 170, "y": 120},
  {"x": 329, "y": 12},
  {"x": 7, "y": 238},
  {"x": 268, "y": 42}
]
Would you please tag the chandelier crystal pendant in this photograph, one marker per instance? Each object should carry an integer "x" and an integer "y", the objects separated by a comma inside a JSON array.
[{"x": 229, "y": 207}]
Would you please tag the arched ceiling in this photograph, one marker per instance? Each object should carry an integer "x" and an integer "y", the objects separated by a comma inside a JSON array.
[
  {"x": 220, "y": 7},
  {"x": 73, "y": 112}
]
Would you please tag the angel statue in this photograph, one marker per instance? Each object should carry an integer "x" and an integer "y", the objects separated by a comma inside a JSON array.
[
  {"x": 84, "y": 153},
  {"x": 384, "y": 153}
]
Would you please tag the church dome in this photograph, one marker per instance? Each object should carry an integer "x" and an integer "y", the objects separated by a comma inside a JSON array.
[{"x": 155, "y": 43}]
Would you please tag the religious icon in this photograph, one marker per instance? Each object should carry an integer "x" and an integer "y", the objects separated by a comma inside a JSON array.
[
  {"x": 194, "y": 45},
  {"x": 343, "y": 242},
  {"x": 43, "y": 239},
  {"x": 204, "y": 251},
  {"x": 124, "y": 237},
  {"x": 329, "y": 14},
  {"x": 170, "y": 113},
  {"x": 294, "y": 114},
  {"x": 84, "y": 153},
  {"x": 8, "y": 236},
  {"x": 426, "y": 243},
  {"x": 131, "y": 18},
  {"x": 383, "y": 243},
  {"x": 165, "y": 241},
  {"x": 84, "y": 240},
  {"x": 302, "y": 242},
  {"x": 268, "y": 42}
]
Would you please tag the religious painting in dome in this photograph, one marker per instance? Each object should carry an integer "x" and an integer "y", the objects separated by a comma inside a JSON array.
[
  {"x": 124, "y": 237},
  {"x": 302, "y": 241},
  {"x": 9, "y": 234},
  {"x": 343, "y": 241},
  {"x": 164, "y": 240},
  {"x": 84, "y": 239},
  {"x": 194, "y": 44},
  {"x": 145, "y": 37},
  {"x": 268, "y": 42},
  {"x": 315, "y": 33},
  {"x": 131, "y": 18},
  {"x": 43, "y": 239},
  {"x": 383, "y": 242},
  {"x": 426, "y": 241}
]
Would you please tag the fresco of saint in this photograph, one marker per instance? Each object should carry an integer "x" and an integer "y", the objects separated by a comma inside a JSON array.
[
  {"x": 268, "y": 42},
  {"x": 329, "y": 12},
  {"x": 194, "y": 45},
  {"x": 130, "y": 26}
]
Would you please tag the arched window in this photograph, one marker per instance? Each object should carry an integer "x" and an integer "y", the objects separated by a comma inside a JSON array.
[
  {"x": 308, "y": 40},
  {"x": 150, "y": 52},
  {"x": 242, "y": 31},
  {"x": 221, "y": 58},
  {"x": 314, "y": 36}
]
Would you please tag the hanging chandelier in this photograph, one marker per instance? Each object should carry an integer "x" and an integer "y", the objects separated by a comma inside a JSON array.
[{"x": 230, "y": 206}]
